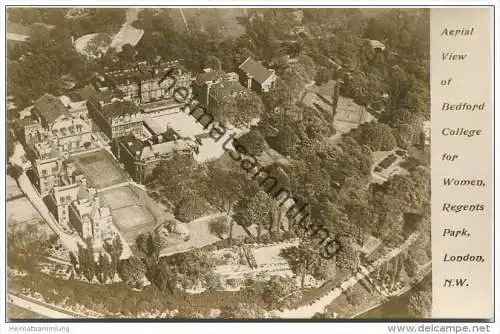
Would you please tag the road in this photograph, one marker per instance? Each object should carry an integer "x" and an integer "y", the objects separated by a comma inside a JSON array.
[
  {"x": 319, "y": 306},
  {"x": 36, "y": 306}
]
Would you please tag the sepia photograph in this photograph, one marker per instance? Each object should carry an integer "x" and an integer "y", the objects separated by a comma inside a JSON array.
[{"x": 219, "y": 163}]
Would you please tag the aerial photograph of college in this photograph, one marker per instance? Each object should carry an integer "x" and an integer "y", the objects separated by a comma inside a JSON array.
[{"x": 217, "y": 163}]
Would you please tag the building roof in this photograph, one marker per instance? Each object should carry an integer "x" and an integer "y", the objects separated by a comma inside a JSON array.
[
  {"x": 152, "y": 126},
  {"x": 50, "y": 107},
  {"x": 132, "y": 143},
  {"x": 83, "y": 94},
  {"x": 145, "y": 71},
  {"x": 120, "y": 108},
  {"x": 166, "y": 148},
  {"x": 256, "y": 70},
  {"x": 209, "y": 75}
]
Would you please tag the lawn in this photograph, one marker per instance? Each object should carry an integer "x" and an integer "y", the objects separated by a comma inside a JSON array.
[
  {"x": 118, "y": 198},
  {"x": 100, "y": 168},
  {"x": 132, "y": 221},
  {"x": 130, "y": 214},
  {"x": 21, "y": 210}
]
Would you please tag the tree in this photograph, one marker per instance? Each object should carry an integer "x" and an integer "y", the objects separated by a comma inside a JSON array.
[
  {"x": 305, "y": 259},
  {"x": 377, "y": 136},
  {"x": 26, "y": 245},
  {"x": 280, "y": 96},
  {"x": 128, "y": 53},
  {"x": 254, "y": 210},
  {"x": 248, "y": 106},
  {"x": 74, "y": 262},
  {"x": 164, "y": 279},
  {"x": 219, "y": 226},
  {"x": 347, "y": 257},
  {"x": 279, "y": 292},
  {"x": 114, "y": 249},
  {"x": 194, "y": 268},
  {"x": 225, "y": 188},
  {"x": 323, "y": 76},
  {"x": 11, "y": 143},
  {"x": 253, "y": 142},
  {"x": 87, "y": 260},
  {"x": 14, "y": 171},
  {"x": 131, "y": 270},
  {"x": 191, "y": 207},
  {"x": 242, "y": 311},
  {"x": 355, "y": 296},
  {"x": 178, "y": 176},
  {"x": 142, "y": 243},
  {"x": 214, "y": 63},
  {"x": 420, "y": 304},
  {"x": 103, "y": 268},
  {"x": 285, "y": 141}
]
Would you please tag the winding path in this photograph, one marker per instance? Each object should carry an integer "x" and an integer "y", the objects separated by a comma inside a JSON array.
[{"x": 319, "y": 306}]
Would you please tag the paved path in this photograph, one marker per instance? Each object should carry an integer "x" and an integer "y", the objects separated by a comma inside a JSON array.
[
  {"x": 114, "y": 186},
  {"x": 308, "y": 311},
  {"x": 36, "y": 306}
]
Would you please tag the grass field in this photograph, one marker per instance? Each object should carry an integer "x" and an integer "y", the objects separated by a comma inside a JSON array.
[
  {"x": 16, "y": 312},
  {"x": 118, "y": 198},
  {"x": 12, "y": 188},
  {"x": 130, "y": 215},
  {"x": 100, "y": 168},
  {"x": 132, "y": 221},
  {"x": 21, "y": 210}
]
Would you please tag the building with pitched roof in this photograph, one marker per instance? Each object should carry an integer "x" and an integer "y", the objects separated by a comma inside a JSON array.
[
  {"x": 48, "y": 109},
  {"x": 253, "y": 75},
  {"x": 117, "y": 118},
  {"x": 141, "y": 157},
  {"x": 212, "y": 80},
  {"x": 91, "y": 220},
  {"x": 148, "y": 82},
  {"x": 52, "y": 121}
]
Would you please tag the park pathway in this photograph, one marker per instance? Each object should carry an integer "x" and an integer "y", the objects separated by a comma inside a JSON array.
[{"x": 307, "y": 311}]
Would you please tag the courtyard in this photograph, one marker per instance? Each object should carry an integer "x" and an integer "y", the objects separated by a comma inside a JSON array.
[
  {"x": 100, "y": 168},
  {"x": 130, "y": 215}
]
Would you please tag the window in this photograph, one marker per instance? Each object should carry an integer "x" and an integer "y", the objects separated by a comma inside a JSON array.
[{"x": 44, "y": 172}]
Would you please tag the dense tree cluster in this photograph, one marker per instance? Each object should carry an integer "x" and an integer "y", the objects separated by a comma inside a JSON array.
[
  {"x": 377, "y": 136},
  {"x": 26, "y": 245},
  {"x": 102, "y": 266},
  {"x": 239, "y": 110},
  {"x": 48, "y": 57},
  {"x": 420, "y": 304},
  {"x": 306, "y": 259}
]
